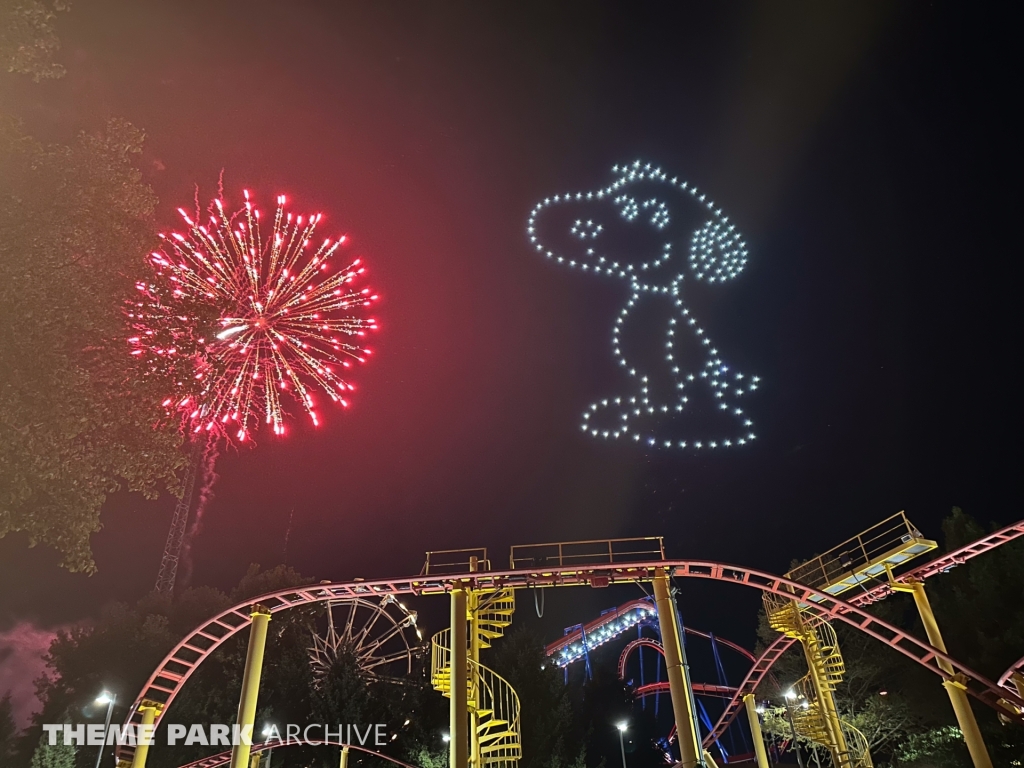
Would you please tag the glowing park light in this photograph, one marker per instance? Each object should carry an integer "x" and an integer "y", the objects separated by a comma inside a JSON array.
[
  {"x": 717, "y": 253},
  {"x": 245, "y": 319}
]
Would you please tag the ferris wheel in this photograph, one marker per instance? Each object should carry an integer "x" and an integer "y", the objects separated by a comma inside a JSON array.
[{"x": 380, "y": 634}]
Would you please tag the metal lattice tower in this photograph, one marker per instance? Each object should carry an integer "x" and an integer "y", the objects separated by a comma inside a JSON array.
[{"x": 176, "y": 535}]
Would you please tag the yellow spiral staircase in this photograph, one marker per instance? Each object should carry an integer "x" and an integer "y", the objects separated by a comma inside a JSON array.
[
  {"x": 817, "y": 719},
  {"x": 493, "y": 703}
]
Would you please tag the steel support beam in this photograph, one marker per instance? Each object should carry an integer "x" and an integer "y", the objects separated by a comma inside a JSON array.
[
  {"x": 458, "y": 712},
  {"x": 679, "y": 688},
  {"x": 149, "y": 710},
  {"x": 955, "y": 686},
  {"x": 755, "y": 731},
  {"x": 260, "y": 619}
]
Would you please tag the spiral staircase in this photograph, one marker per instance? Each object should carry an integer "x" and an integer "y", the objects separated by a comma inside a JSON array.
[
  {"x": 493, "y": 703},
  {"x": 816, "y": 718}
]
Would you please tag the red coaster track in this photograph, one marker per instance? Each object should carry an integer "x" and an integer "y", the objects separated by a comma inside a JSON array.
[
  {"x": 873, "y": 595},
  {"x": 178, "y": 666},
  {"x": 215, "y": 761}
]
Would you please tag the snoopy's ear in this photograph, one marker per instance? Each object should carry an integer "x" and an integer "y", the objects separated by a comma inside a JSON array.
[{"x": 717, "y": 251}]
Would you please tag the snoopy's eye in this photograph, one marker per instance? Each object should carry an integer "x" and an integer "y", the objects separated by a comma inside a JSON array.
[
  {"x": 585, "y": 230},
  {"x": 659, "y": 213}
]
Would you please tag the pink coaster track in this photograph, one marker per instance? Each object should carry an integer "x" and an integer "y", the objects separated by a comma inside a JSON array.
[
  {"x": 1007, "y": 678},
  {"x": 215, "y": 761},
  {"x": 178, "y": 666},
  {"x": 873, "y": 595}
]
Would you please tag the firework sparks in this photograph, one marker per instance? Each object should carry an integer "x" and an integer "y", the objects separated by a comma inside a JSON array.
[{"x": 241, "y": 321}]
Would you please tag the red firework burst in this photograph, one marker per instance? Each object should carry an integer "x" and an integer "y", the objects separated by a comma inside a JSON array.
[{"x": 241, "y": 321}]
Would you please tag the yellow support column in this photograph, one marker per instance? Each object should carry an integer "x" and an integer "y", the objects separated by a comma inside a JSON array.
[
  {"x": 250, "y": 686},
  {"x": 755, "y": 731},
  {"x": 472, "y": 606},
  {"x": 149, "y": 710},
  {"x": 678, "y": 684},
  {"x": 955, "y": 685},
  {"x": 343, "y": 760},
  {"x": 458, "y": 715}
]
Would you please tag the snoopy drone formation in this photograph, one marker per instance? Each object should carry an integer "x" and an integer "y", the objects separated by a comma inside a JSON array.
[{"x": 717, "y": 254}]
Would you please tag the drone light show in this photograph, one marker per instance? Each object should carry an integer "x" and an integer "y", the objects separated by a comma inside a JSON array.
[
  {"x": 717, "y": 254},
  {"x": 242, "y": 318}
]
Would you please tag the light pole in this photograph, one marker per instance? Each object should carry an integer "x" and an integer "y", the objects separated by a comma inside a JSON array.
[
  {"x": 790, "y": 696},
  {"x": 108, "y": 699},
  {"x": 267, "y": 731},
  {"x": 622, "y": 744}
]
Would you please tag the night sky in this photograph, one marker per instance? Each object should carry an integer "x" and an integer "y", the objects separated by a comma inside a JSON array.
[{"x": 863, "y": 150}]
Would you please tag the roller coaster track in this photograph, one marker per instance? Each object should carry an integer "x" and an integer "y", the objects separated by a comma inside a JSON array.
[
  {"x": 593, "y": 629},
  {"x": 215, "y": 761},
  {"x": 610, "y": 617},
  {"x": 185, "y": 658},
  {"x": 651, "y": 689},
  {"x": 1007, "y": 678},
  {"x": 700, "y": 689},
  {"x": 946, "y": 562},
  {"x": 640, "y": 642},
  {"x": 646, "y": 642},
  {"x": 873, "y": 595}
]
